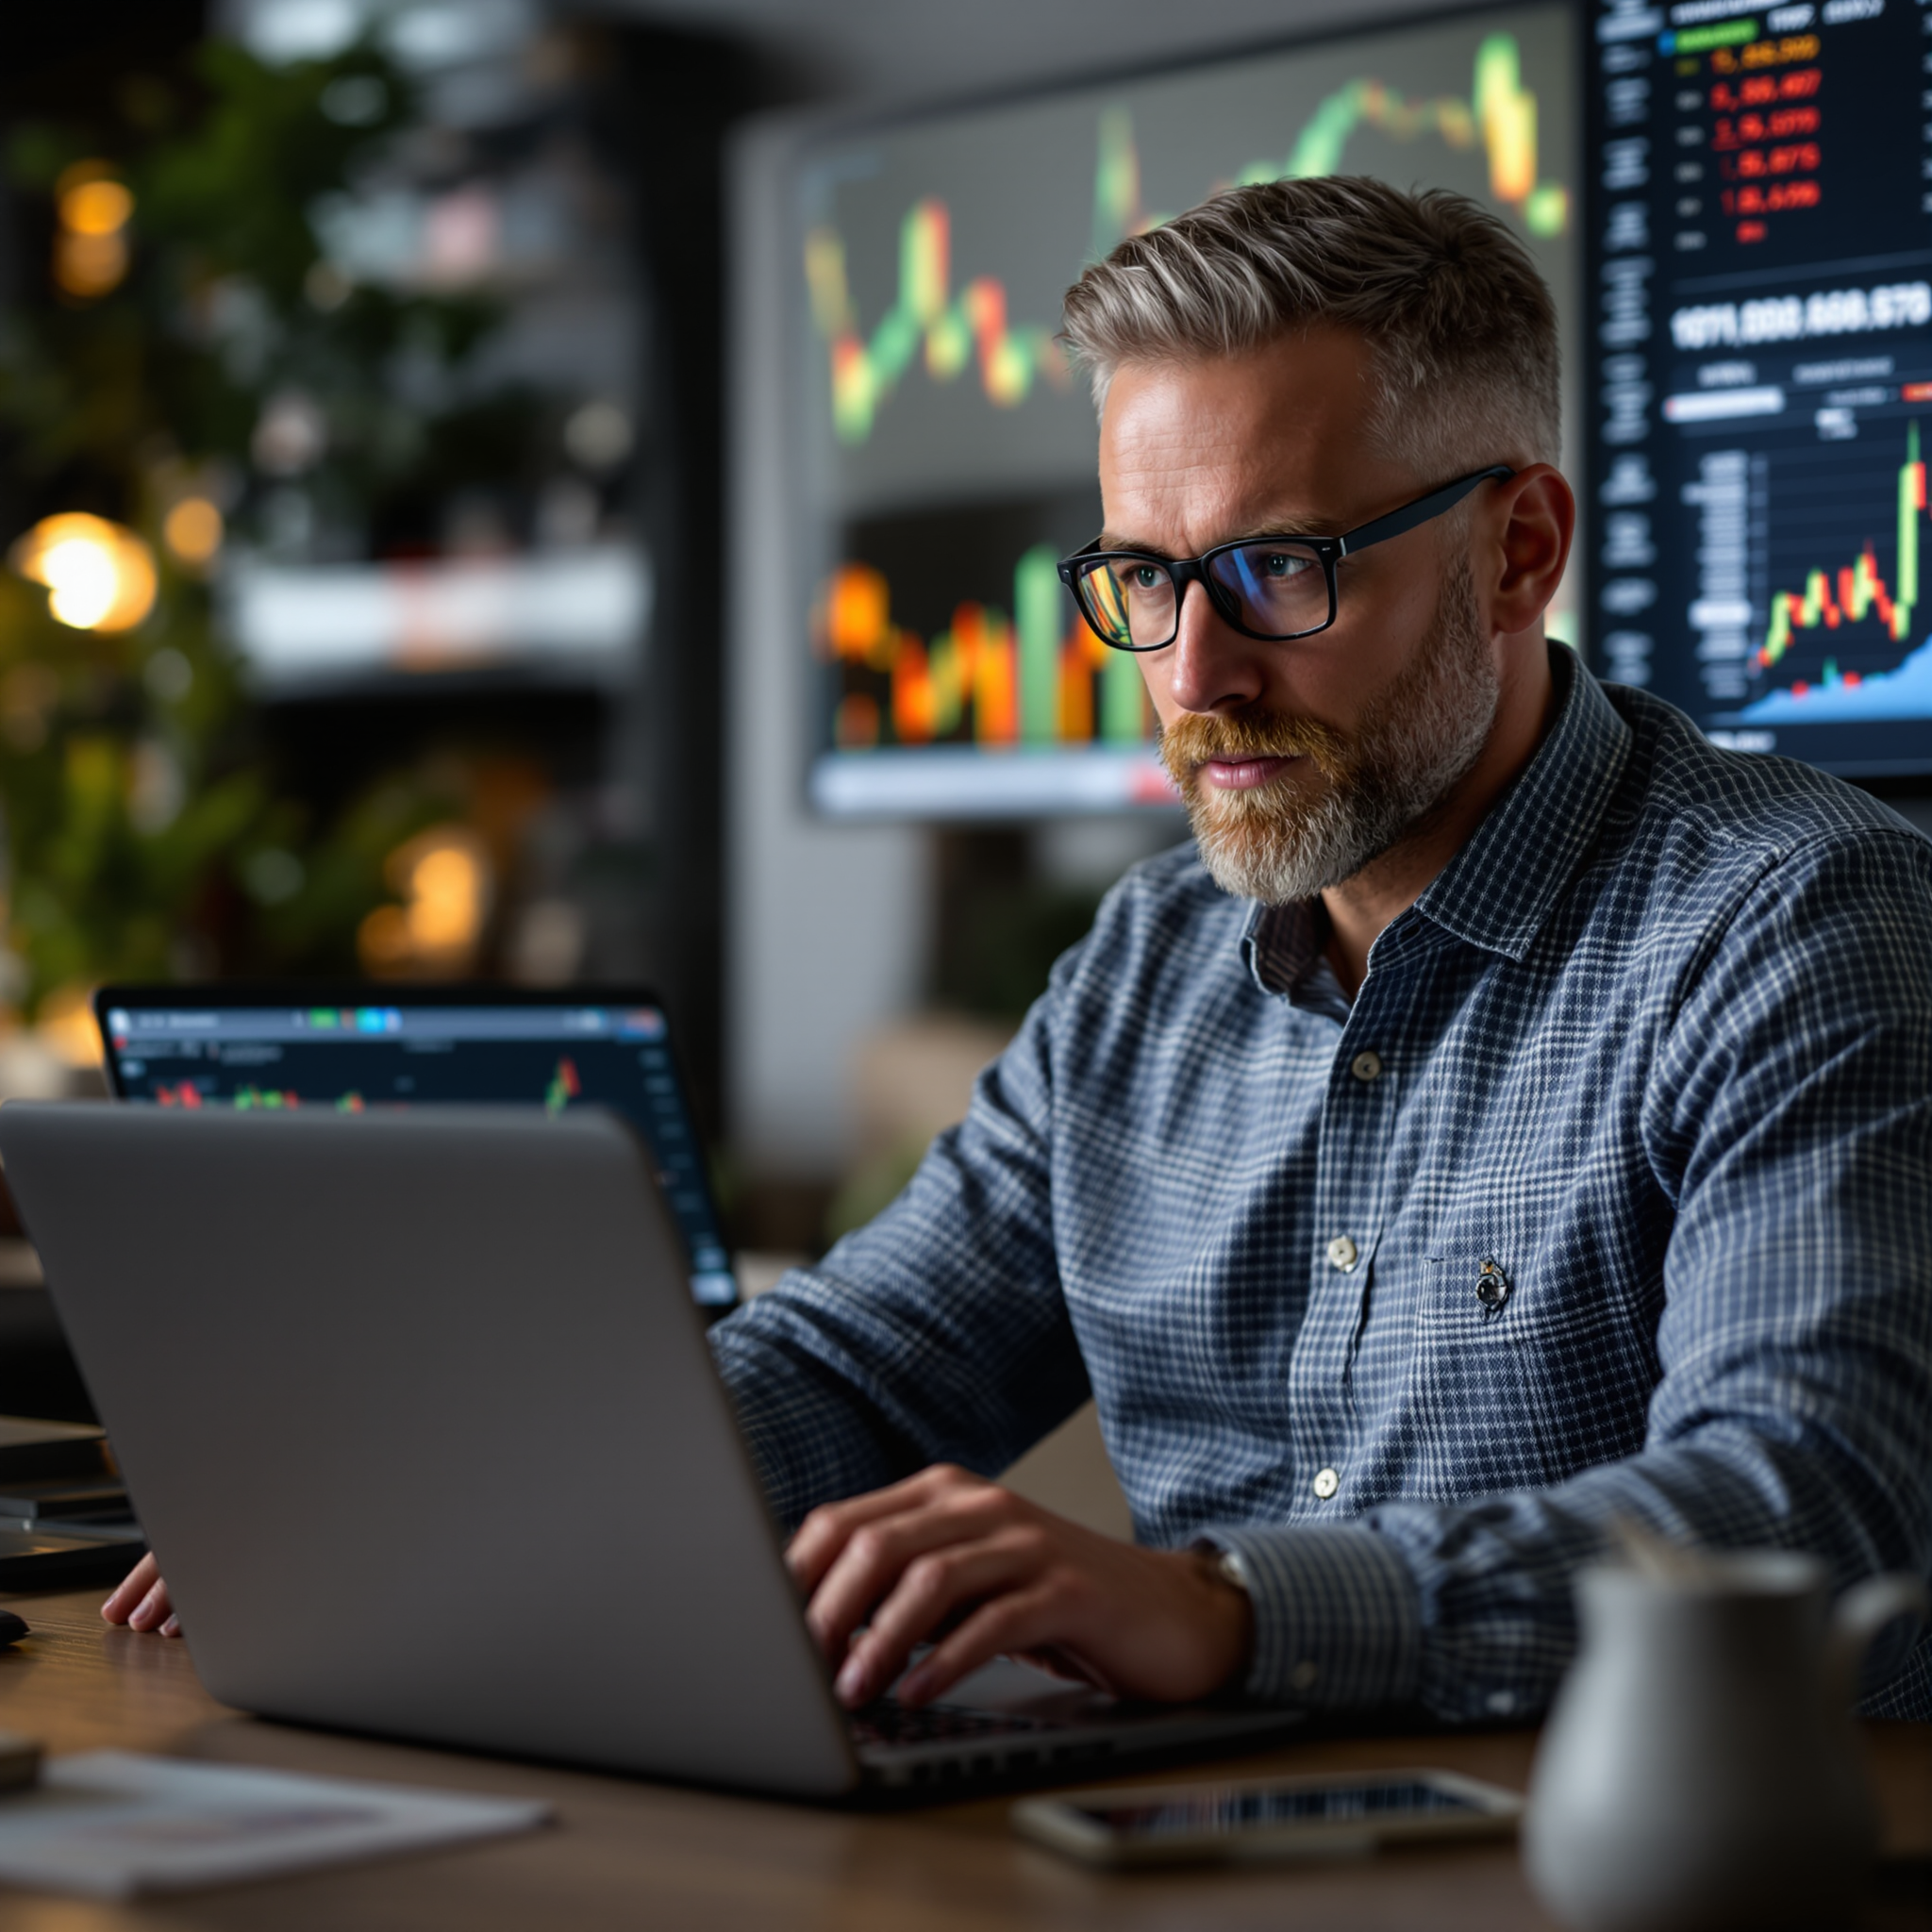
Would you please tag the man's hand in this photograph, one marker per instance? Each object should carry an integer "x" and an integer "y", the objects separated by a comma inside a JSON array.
[
  {"x": 949, "y": 1559},
  {"x": 141, "y": 1601}
]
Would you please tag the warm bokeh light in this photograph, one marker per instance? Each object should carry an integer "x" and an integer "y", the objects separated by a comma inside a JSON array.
[
  {"x": 101, "y": 576},
  {"x": 66, "y": 1024},
  {"x": 96, "y": 207},
  {"x": 90, "y": 245},
  {"x": 382, "y": 943},
  {"x": 87, "y": 266},
  {"x": 444, "y": 878},
  {"x": 445, "y": 899},
  {"x": 192, "y": 530}
]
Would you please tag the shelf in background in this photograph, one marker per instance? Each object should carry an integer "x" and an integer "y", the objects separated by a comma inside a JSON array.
[{"x": 579, "y": 616}]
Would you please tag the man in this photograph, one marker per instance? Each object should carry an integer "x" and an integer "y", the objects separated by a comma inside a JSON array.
[{"x": 1513, "y": 1118}]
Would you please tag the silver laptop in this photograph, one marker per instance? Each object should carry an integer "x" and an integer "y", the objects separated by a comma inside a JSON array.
[{"x": 418, "y": 1414}]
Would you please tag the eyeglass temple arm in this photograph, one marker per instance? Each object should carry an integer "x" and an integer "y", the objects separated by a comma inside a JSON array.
[{"x": 1399, "y": 523}]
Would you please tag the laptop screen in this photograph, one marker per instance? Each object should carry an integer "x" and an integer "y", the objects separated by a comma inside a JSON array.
[{"x": 239, "y": 1051}]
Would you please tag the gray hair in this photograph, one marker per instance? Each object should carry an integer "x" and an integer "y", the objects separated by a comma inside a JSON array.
[{"x": 1460, "y": 327}]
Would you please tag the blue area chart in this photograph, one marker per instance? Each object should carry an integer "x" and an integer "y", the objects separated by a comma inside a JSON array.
[{"x": 1906, "y": 692}]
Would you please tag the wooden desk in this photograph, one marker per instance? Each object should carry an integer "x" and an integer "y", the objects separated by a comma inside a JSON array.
[{"x": 629, "y": 1854}]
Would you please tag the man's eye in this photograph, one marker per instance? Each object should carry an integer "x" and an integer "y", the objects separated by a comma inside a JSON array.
[
  {"x": 1147, "y": 577},
  {"x": 1281, "y": 563}
]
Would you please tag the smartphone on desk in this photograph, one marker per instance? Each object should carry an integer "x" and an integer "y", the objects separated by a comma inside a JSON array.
[{"x": 1270, "y": 1818}]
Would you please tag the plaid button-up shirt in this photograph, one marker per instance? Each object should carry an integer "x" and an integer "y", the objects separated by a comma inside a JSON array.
[{"x": 1610, "y": 1195}]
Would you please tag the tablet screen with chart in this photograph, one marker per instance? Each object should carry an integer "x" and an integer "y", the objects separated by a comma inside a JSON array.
[{"x": 351, "y": 1051}]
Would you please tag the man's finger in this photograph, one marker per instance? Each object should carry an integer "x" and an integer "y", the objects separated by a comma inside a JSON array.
[
  {"x": 825, "y": 1532},
  {"x": 132, "y": 1590},
  {"x": 932, "y": 1589},
  {"x": 153, "y": 1610},
  {"x": 867, "y": 1570},
  {"x": 1020, "y": 1620},
  {"x": 815, "y": 1545},
  {"x": 1188, "y": 1632}
]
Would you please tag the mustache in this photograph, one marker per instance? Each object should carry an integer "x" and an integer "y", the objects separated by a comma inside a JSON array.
[{"x": 1253, "y": 732}]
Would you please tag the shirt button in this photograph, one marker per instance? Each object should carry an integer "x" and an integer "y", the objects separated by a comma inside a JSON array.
[
  {"x": 1342, "y": 1252},
  {"x": 1366, "y": 1067},
  {"x": 1327, "y": 1483},
  {"x": 1305, "y": 1675}
]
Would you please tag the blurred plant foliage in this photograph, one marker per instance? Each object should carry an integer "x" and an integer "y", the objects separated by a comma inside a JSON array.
[{"x": 233, "y": 364}]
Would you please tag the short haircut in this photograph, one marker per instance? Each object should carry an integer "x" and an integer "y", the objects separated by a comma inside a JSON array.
[{"x": 1460, "y": 327}]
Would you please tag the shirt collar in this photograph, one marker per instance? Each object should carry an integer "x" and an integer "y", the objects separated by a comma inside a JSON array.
[
  {"x": 1283, "y": 945},
  {"x": 1498, "y": 890},
  {"x": 1279, "y": 942}
]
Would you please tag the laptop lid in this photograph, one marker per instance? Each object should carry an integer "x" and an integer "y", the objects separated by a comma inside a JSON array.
[
  {"x": 278, "y": 1047},
  {"x": 416, "y": 1453}
]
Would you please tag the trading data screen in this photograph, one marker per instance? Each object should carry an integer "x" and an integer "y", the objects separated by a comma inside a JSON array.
[
  {"x": 948, "y": 450},
  {"x": 353, "y": 1057},
  {"x": 1762, "y": 347}
]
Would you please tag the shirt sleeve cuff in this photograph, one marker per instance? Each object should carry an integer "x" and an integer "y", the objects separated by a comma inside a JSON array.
[{"x": 1338, "y": 1617}]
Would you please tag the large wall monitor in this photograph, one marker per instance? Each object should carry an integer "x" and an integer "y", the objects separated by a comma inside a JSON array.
[
  {"x": 949, "y": 451},
  {"x": 1762, "y": 343}
]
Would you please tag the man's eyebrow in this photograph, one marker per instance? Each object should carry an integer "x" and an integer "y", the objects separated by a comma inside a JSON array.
[
  {"x": 1273, "y": 526},
  {"x": 1288, "y": 527}
]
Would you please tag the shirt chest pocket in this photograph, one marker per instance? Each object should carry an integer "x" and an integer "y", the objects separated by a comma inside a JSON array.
[{"x": 1527, "y": 1358}]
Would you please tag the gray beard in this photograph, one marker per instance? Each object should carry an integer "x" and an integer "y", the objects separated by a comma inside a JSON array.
[{"x": 1415, "y": 745}]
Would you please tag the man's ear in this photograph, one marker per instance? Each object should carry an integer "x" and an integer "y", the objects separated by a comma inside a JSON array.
[{"x": 1530, "y": 524}]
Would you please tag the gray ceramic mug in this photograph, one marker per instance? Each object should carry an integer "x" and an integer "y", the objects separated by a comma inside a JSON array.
[{"x": 1699, "y": 1769}]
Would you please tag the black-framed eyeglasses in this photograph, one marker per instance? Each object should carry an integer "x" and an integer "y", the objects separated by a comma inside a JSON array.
[{"x": 1270, "y": 588}]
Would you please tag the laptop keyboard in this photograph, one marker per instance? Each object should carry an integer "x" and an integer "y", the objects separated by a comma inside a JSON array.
[
  {"x": 885, "y": 1723},
  {"x": 963, "y": 1744}
]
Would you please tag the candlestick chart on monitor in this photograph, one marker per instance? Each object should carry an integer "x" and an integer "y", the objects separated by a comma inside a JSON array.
[
  {"x": 245, "y": 1097},
  {"x": 951, "y": 331},
  {"x": 1842, "y": 646},
  {"x": 987, "y": 678},
  {"x": 1007, "y": 665}
]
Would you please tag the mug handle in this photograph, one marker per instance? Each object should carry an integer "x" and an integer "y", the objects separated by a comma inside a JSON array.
[{"x": 1859, "y": 1616}]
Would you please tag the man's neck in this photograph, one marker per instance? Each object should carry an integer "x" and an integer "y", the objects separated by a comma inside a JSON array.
[{"x": 1360, "y": 907}]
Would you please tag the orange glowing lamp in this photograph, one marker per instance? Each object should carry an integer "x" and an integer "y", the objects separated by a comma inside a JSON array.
[
  {"x": 92, "y": 209},
  {"x": 193, "y": 530},
  {"x": 99, "y": 575}
]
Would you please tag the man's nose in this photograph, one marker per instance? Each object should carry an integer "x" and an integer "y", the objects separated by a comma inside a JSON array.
[{"x": 1212, "y": 668}]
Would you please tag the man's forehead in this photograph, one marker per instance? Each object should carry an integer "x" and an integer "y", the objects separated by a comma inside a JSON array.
[
  {"x": 1236, "y": 485},
  {"x": 1206, "y": 451}
]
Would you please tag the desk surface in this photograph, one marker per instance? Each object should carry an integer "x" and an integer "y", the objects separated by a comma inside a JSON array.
[{"x": 626, "y": 1853}]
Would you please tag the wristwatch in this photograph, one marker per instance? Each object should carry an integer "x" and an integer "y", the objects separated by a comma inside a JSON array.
[
  {"x": 1229, "y": 1566},
  {"x": 1235, "y": 1572}
]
